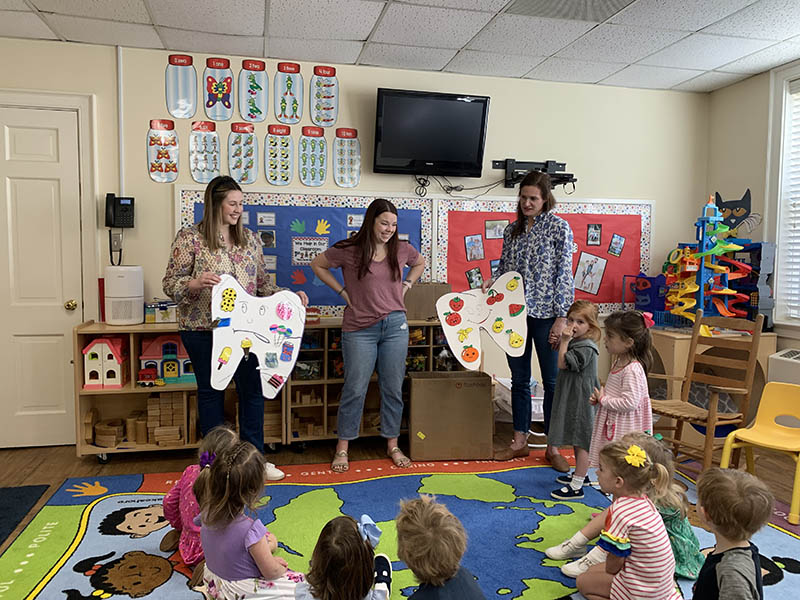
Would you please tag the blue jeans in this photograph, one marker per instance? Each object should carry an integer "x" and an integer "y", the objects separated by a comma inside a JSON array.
[
  {"x": 385, "y": 342},
  {"x": 538, "y": 332},
  {"x": 211, "y": 402}
]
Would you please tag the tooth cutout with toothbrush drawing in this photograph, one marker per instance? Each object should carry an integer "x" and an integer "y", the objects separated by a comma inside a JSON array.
[
  {"x": 501, "y": 312},
  {"x": 267, "y": 329}
]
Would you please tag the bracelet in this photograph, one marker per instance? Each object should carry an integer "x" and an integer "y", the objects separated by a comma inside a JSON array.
[
  {"x": 341, "y": 291},
  {"x": 408, "y": 282}
]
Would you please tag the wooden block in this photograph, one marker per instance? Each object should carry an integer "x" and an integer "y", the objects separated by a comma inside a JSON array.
[
  {"x": 89, "y": 420},
  {"x": 318, "y": 430},
  {"x": 141, "y": 431},
  {"x": 171, "y": 443},
  {"x": 105, "y": 441}
]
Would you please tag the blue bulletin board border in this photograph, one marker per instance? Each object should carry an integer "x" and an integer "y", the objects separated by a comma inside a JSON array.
[
  {"x": 643, "y": 208},
  {"x": 412, "y": 211}
]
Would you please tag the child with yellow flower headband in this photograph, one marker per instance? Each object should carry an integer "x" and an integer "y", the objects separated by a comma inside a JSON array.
[{"x": 639, "y": 562}]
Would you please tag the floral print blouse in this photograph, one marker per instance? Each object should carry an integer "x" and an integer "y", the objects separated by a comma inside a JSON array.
[
  {"x": 190, "y": 257},
  {"x": 543, "y": 256}
]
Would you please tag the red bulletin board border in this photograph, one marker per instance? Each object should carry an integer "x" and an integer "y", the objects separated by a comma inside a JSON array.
[{"x": 629, "y": 219}]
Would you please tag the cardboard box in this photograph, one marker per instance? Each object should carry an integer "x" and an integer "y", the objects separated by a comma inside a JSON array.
[
  {"x": 160, "y": 311},
  {"x": 451, "y": 416},
  {"x": 421, "y": 300}
]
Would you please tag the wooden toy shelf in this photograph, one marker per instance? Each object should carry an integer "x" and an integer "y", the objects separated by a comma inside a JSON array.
[
  {"x": 312, "y": 404},
  {"x": 119, "y": 403}
]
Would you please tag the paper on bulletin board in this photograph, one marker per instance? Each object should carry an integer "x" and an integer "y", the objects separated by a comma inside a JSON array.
[
  {"x": 305, "y": 249},
  {"x": 473, "y": 249},
  {"x": 500, "y": 311},
  {"x": 267, "y": 329}
]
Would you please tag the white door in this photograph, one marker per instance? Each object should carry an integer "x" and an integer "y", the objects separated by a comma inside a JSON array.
[{"x": 40, "y": 275}]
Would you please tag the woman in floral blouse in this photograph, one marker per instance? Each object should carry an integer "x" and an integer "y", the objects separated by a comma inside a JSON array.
[
  {"x": 202, "y": 252},
  {"x": 539, "y": 246}
]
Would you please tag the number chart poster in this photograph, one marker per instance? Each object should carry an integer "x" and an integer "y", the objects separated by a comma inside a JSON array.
[
  {"x": 294, "y": 228},
  {"x": 611, "y": 239}
]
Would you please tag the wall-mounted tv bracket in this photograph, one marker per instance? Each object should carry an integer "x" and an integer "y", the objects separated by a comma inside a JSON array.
[{"x": 515, "y": 171}]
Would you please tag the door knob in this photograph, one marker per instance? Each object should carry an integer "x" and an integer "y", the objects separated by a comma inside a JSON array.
[{"x": 71, "y": 304}]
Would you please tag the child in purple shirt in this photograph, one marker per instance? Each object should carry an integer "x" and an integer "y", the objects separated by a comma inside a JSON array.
[{"x": 238, "y": 549}]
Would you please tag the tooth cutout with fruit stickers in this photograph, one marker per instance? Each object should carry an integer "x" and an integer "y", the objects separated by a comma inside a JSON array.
[
  {"x": 500, "y": 311},
  {"x": 246, "y": 327}
]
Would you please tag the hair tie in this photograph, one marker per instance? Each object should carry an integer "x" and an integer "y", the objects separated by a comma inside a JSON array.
[
  {"x": 369, "y": 531},
  {"x": 636, "y": 457},
  {"x": 207, "y": 459},
  {"x": 648, "y": 319}
]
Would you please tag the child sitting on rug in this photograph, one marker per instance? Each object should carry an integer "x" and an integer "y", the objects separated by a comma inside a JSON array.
[
  {"x": 672, "y": 505},
  {"x": 344, "y": 566},
  {"x": 238, "y": 548},
  {"x": 431, "y": 541},
  {"x": 639, "y": 563},
  {"x": 734, "y": 505},
  {"x": 572, "y": 415},
  {"x": 180, "y": 504}
]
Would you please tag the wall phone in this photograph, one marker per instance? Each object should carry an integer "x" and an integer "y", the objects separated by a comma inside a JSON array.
[{"x": 119, "y": 211}]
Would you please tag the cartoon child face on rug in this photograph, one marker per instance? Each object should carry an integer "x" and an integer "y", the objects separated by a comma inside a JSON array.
[
  {"x": 134, "y": 574},
  {"x": 135, "y": 521}
]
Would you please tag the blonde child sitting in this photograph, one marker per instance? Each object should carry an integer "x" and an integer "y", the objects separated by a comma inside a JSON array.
[
  {"x": 238, "y": 548},
  {"x": 431, "y": 541}
]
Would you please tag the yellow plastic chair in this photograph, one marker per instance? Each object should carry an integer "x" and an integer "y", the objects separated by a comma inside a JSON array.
[{"x": 778, "y": 400}]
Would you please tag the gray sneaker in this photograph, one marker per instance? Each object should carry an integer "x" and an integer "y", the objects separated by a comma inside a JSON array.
[{"x": 565, "y": 550}]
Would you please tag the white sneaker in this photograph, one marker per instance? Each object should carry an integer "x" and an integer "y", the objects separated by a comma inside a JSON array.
[
  {"x": 582, "y": 565},
  {"x": 565, "y": 550},
  {"x": 273, "y": 473}
]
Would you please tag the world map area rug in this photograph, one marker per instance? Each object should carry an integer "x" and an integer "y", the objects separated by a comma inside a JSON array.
[{"x": 94, "y": 532}]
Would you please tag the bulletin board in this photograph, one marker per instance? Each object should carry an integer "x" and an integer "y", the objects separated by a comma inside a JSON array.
[
  {"x": 611, "y": 239},
  {"x": 294, "y": 228}
]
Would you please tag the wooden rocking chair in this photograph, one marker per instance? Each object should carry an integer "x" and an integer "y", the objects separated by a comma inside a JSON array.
[{"x": 737, "y": 361}]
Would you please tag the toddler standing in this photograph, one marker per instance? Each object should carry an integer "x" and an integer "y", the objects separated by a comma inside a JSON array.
[{"x": 572, "y": 415}]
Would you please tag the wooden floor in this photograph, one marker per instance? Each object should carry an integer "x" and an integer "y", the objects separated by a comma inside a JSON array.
[{"x": 51, "y": 465}]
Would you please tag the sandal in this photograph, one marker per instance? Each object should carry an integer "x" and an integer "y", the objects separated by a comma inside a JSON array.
[
  {"x": 340, "y": 463},
  {"x": 398, "y": 458}
]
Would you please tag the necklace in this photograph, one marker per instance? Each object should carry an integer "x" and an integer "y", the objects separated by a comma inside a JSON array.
[{"x": 221, "y": 237}]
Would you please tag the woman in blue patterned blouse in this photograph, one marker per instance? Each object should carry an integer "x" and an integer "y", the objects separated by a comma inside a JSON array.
[{"x": 539, "y": 246}]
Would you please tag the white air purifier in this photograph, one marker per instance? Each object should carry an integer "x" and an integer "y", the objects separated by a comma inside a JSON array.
[{"x": 124, "y": 289}]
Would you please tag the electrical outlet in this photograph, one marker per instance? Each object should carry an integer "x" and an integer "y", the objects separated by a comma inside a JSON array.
[{"x": 116, "y": 242}]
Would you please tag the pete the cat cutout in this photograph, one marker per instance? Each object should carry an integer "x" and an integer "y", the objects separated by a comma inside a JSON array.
[
  {"x": 500, "y": 311},
  {"x": 246, "y": 327}
]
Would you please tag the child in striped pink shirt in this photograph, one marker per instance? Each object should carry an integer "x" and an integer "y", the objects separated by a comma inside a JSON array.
[{"x": 640, "y": 564}]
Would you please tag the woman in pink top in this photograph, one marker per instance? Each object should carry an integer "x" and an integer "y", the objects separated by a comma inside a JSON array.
[{"x": 374, "y": 327}]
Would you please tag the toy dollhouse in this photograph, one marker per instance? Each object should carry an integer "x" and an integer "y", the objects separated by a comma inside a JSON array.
[
  {"x": 167, "y": 355},
  {"x": 105, "y": 363}
]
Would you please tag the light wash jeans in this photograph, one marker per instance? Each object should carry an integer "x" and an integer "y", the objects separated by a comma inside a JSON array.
[{"x": 385, "y": 342}]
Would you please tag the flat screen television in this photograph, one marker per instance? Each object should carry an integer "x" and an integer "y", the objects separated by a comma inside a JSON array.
[{"x": 430, "y": 133}]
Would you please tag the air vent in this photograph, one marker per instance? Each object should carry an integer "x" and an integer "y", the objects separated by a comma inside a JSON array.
[
  {"x": 791, "y": 354},
  {"x": 576, "y": 10}
]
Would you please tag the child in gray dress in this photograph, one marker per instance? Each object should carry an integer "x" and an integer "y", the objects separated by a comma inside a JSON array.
[{"x": 573, "y": 416}]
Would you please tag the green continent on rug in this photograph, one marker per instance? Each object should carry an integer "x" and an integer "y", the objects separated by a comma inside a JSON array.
[{"x": 93, "y": 527}]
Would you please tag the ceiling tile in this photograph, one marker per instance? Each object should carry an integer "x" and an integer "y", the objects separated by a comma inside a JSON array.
[
  {"x": 429, "y": 26},
  {"x": 578, "y": 71},
  {"x": 110, "y": 33},
  {"x": 130, "y": 11},
  {"x": 327, "y": 51},
  {"x": 766, "y": 20},
  {"x": 642, "y": 76},
  {"x": 619, "y": 43},
  {"x": 531, "y": 36},
  {"x": 14, "y": 5},
  {"x": 686, "y": 15},
  {"x": 406, "y": 57},
  {"x": 706, "y": 52},
  {"x": 473, "y": 62},
  {"x": 243, "y": 17},
  {"x": 323, "y": 19},
  {"x": 763, "y": 60},
  {"x": 212, "y": 43},
  {"x": 484, "y": 5},
  {"x": 24, "y": 25},
  {"x": 708, "y": 82},
  {"x": 580, "y": 10}
]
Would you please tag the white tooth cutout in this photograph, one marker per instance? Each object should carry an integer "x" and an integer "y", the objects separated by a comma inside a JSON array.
[
  {"x": 271, "y": 328},
  {"x": 501, "y": 312}
]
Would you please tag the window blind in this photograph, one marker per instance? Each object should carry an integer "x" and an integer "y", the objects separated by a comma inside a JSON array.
[{"x": 789, "y": 227}]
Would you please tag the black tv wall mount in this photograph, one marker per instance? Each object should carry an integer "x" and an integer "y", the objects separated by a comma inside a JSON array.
[{"x": 515, "y": 171}]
